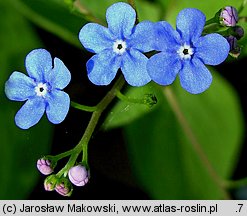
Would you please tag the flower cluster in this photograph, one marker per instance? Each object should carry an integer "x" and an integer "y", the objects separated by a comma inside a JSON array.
[
  {"x": 184, "y": 52},
  {"x": 229, "y": 18}
]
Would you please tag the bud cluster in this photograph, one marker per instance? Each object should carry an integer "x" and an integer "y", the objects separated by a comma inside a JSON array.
[
  {"x": 228, "y": 17},
  {"x": 77, "y": 175}
]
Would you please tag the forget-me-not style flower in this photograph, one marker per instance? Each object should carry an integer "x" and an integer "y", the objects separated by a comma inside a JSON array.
[
  {"x": 184, "y": 52},
  {"x": 121, "y": 45},
  {"x": 41, "y": 89}
]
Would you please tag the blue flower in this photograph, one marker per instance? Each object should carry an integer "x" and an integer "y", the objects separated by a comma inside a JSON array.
[
  {"x": 185, "y": 52},
  {"x": 121, "y": 45},
  {"x": 41, "y": 90}
]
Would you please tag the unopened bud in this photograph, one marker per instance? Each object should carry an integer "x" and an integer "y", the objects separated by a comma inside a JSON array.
[
  {"x": 238, "y": 32},
  {"x": 78, "y": 175},
  {"x": 50, "y": 182},
  {"x": 64, "y": 187},
  {"x": 228, "y": 16},
  {"x": 235, "y": 50},
  {"x": 45, "y": 166}
]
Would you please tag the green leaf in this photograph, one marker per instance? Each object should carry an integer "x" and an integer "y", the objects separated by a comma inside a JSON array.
[
  {"x": 148, "y": 11},
  {"x": 125, "y": 112},
  {"x": 145, "y": 9},
  {"x": 164, "y": 161},
  {"x": 53, "y": 16},
  {"x": 97, "y": 8},
  {"x": 20, "y": 149}
]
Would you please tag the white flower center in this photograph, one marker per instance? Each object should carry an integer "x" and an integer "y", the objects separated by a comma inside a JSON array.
[
  {"x": 119, "y": 47},
  {"x": 185, "y": 51},
  {"x": 41, "y": 89}
]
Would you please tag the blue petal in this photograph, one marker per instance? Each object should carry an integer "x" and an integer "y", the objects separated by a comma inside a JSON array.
[
  {"x": 212, "y": 49},
  {"x": 143, "y": 37},
  {"x": 30, "y": 113},
  {"x": 38, "y": 63},
  {"x": 195, "y": 77},
  {"x": 59, "y": 77},
  {"x": 121, "y": 19},
  {"x": 163, "y": 68},
  {"x": 166, "y": 38},
  {"x": 95, "y": 37},
  {"x": 134, "y": 68},
  {"x": 19, "y": 87},
  {"x": 58, "y": 106},
  {"x": 102, "y": 67},
  {"x": 190, "y": 24}
]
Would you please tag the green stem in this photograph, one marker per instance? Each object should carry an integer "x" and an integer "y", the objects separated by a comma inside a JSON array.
[
  {"x": 211, "y": 21},
  {"x": 132, "y": 3},
  {"x": 242, "y": 19},
  {"x": 60, "y": 156},
  {"x": 236, "y": 184},
  {"x": 86, "y": 13},
  {"x": 213, "y": 28},
  {"x": 85, "y": 155},
  {"x": 83, "y": 107},
  {"x": 83, "y": 144},
  {"x": 128, "y": 99},
  {"x": 69, "y": 164},
  {"x": 194, "y": 142}
]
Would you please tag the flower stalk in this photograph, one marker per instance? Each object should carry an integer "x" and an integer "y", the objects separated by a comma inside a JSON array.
[
  {"x": 102, "y": 105},
  {"x": 82, "y": 146},
  {"x": 148, "y": 99},
  {"x": 83, "y": 107}
]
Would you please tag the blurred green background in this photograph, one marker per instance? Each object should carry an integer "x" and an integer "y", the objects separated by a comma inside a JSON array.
[{"x": 139, "y": 153}]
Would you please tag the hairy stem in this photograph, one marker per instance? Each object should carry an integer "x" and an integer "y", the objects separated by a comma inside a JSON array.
[
  {"x": 128, "y": 99},
  {"x": 87, "y": 13},
  {"x": 62, "y": 155},
  {"x": 132, "y": 3},
  {"x": 102, "y": 105}
]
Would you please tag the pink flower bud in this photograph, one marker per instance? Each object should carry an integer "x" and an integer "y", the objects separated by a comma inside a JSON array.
[
  {"x": 50, "y": 182},
  {"x": 235, "y": 49},
  {"x": 78, "y": 175},
  {"x": 238, "y": 32},
  {"x": 64, "y": 187},
  {"x": 44, "y": 166},
  {"x": 229, "y": 16}
]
